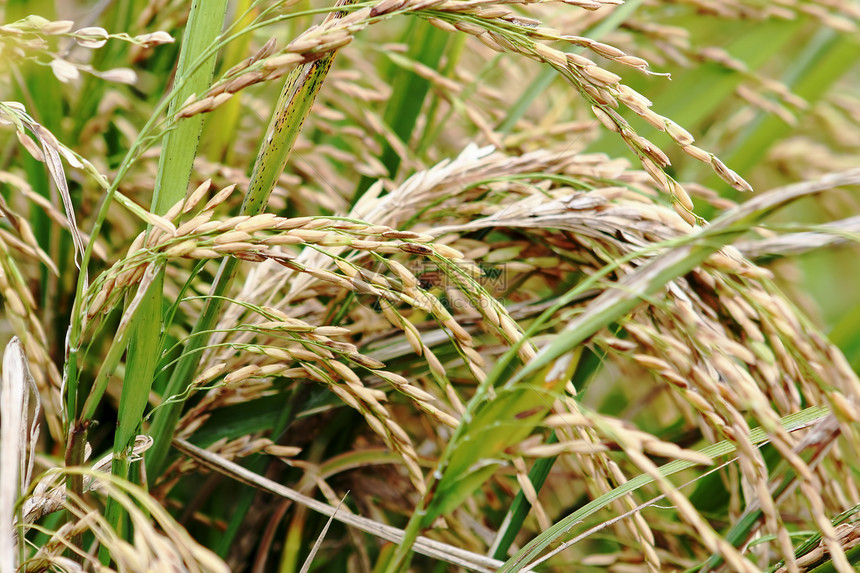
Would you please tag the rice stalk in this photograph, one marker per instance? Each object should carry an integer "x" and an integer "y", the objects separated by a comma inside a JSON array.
[
  {"x": 842, "y": 373},
  {"x": 422, "y": 344},
  {"x": 294, "y": 103}
]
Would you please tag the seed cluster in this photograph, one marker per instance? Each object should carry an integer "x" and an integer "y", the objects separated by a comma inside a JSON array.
[
  {"x": 725, "y": 342},
  {"x": 505, "y": 31},
  {"x": 305, "y": 351},
  {"x": 691, "y": 346},
  {"x": 30, "y": 38}
]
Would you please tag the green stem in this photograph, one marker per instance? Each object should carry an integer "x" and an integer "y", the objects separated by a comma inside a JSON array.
[{"x": 179, "y": 148}]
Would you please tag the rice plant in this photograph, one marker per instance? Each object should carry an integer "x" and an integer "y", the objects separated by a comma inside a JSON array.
[{"x": 429, "y": 285}]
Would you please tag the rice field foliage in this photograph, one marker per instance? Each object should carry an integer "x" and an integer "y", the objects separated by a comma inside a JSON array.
[{"x": 426, "y": 285}]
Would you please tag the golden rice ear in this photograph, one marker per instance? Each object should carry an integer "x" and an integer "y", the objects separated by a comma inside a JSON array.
[{"x": 379, "y": 331}]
